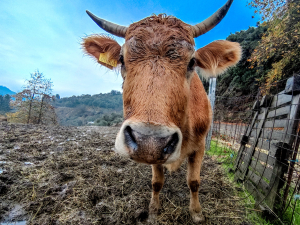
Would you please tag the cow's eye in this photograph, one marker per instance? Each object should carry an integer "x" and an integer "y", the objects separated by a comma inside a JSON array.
[
  {"x": 121, "y": 59},
  {"x": 191, "y": 64}
]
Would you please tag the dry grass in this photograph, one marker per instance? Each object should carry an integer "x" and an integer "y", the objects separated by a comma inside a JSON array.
[{"x": 76, "y": 178}]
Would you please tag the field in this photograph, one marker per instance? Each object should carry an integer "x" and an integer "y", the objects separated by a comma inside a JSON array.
[{"x": 71, "y": 175}]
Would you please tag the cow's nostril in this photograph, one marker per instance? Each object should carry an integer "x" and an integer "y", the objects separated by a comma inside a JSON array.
[
  {"x": 130, "y": 139},
  {"x": 171, "y": 145}
]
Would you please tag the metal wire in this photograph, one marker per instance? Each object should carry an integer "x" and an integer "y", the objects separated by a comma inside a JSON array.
[{"x": 233, "y": 119}]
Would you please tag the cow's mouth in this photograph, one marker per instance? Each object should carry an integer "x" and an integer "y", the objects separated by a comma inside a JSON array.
[{"x": 148, "y": 143}]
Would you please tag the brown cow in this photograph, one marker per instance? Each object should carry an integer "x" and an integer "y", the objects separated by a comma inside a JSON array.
[{"x": 166, "y": 110}]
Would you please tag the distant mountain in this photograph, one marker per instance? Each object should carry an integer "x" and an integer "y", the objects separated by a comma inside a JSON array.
[{"x": 4, "y": 90}]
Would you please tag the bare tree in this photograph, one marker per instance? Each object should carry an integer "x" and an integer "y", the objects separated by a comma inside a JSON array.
[
  {"x": 33, "y": 104},
  {"x": 46, "y": 98},
  {"x": 33, "y": 86}
]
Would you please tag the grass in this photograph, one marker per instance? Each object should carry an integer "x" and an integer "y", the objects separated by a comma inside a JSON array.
[
  {"x": 226, "y": 157},
  {"x": 292, "y": 213}
]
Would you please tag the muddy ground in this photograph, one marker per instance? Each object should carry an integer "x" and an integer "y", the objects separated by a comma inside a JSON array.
[{"x": 71, "y": 175}]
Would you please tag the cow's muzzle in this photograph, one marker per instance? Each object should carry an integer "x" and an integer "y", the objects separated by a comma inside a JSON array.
[{"x": 152, "y": 144}]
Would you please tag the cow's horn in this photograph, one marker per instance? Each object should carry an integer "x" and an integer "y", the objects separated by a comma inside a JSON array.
[
  {"x": 212, "y": 21},
  {"x": 111, "y": 28}
]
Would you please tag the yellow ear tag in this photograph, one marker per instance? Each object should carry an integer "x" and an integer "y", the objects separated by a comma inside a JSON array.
[{"x": 103, "y": 58}]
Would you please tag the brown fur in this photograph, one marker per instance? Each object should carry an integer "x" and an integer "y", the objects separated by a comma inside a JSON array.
[
  {"x": 216, "y": 57},
  {"x": 159, "y": 89},
  {"x": 95, "y": 44}
]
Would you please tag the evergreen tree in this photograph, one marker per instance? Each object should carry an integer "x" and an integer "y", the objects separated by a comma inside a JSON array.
[{"x": 5, "y": 103}]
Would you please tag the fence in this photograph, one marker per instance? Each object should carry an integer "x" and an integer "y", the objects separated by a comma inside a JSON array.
[{"x": 257, "y": 138}]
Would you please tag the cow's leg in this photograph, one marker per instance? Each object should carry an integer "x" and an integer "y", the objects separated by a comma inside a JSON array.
[
  {"x": 193, "y": 180},
  {"x": 157, "y": 183}
]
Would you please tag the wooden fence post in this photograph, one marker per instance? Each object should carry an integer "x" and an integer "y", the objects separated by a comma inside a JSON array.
[
  {"x": 268, "y": 143},
  {"x": 212, "y": 98},
  {"x": 245, "y": 137}
]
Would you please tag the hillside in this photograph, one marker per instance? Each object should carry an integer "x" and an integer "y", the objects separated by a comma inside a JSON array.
[
  {"x": 99, "y": 109},
  {"x": 4, "y": 90},
  {"x": 241, "y": 80},
  {"x": 237, "y": 88}
]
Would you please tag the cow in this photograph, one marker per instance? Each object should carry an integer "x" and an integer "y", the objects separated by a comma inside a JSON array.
[{"x": 167, "y": 113}]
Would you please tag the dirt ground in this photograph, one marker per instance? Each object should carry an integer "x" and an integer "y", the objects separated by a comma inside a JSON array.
[{"x": 71, "y": 175}]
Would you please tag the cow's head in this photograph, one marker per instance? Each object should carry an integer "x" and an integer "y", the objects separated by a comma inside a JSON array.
[{"x": 157, "y": 64}]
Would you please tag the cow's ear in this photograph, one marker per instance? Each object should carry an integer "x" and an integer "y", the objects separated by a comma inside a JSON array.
[
  {"x": 104, "y": 49},
  {"x": 214, "y": 58}
]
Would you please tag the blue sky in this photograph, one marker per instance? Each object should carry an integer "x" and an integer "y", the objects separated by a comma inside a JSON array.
[{"x": 46, "y": 35}]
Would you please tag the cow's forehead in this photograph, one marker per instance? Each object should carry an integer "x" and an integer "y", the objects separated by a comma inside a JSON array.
[
  {"x": 160, "y": 28},
  {"x": 168, "y": 42},
  {"x": 173, "y": 49}
]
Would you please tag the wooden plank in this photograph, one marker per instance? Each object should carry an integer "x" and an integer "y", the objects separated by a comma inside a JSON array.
[
  {"x": 255, "y": 132},
  {"x": 262, "y": 139},
  {"x": 266, "y": 144},
  {"x": 237, "y": 174},
  {"x": 251, "y": 140},
  {"x": 258, "y": 181},
  {"x": 245, "y": 159},
  {"x": 251, "y": 125},
  {"x": 265, "y": 158},
  {"x": 274, "y": 184},
  {"x": 268, "y": 159},
  {"x": 266, "y": 100},
  {"x": 293, "y": 117},
  {"x": 254, "y": 191},
  {"x": 260, "y": 125},
  {"x": 260, "y": 116},
  {"x": 242, "y": 146},
  {"x": 276, "y": 123},
  {"x": 279, "y": 112},
  {"x": 280, "y": 99},
  {"x": 263, "y": 170},
  {"x": 279, "y": 168},
  {"x": 212, "y": 98},
  {"x": 244, "y": 164},
  {"x": 269, "y": 134},
  {"x": 247, "y": 150}
]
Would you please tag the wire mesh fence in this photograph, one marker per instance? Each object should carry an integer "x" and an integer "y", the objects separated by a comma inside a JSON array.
[{"x": 256, "y": 138}]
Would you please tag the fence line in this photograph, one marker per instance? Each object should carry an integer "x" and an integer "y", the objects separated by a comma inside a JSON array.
[{"x": 260, "y": 145}]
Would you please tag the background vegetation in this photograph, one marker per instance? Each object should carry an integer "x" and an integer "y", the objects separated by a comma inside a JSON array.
[
  {"x": 242, "y": 79},
  {"x": 277, "y": 55},
  {"x": 99, "y": 109},
  {"x": 5, "y": 104},
  {"x": 33, "y": 104}
]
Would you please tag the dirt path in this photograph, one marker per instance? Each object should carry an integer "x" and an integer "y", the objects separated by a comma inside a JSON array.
[{"x": 71, "y": 175}]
